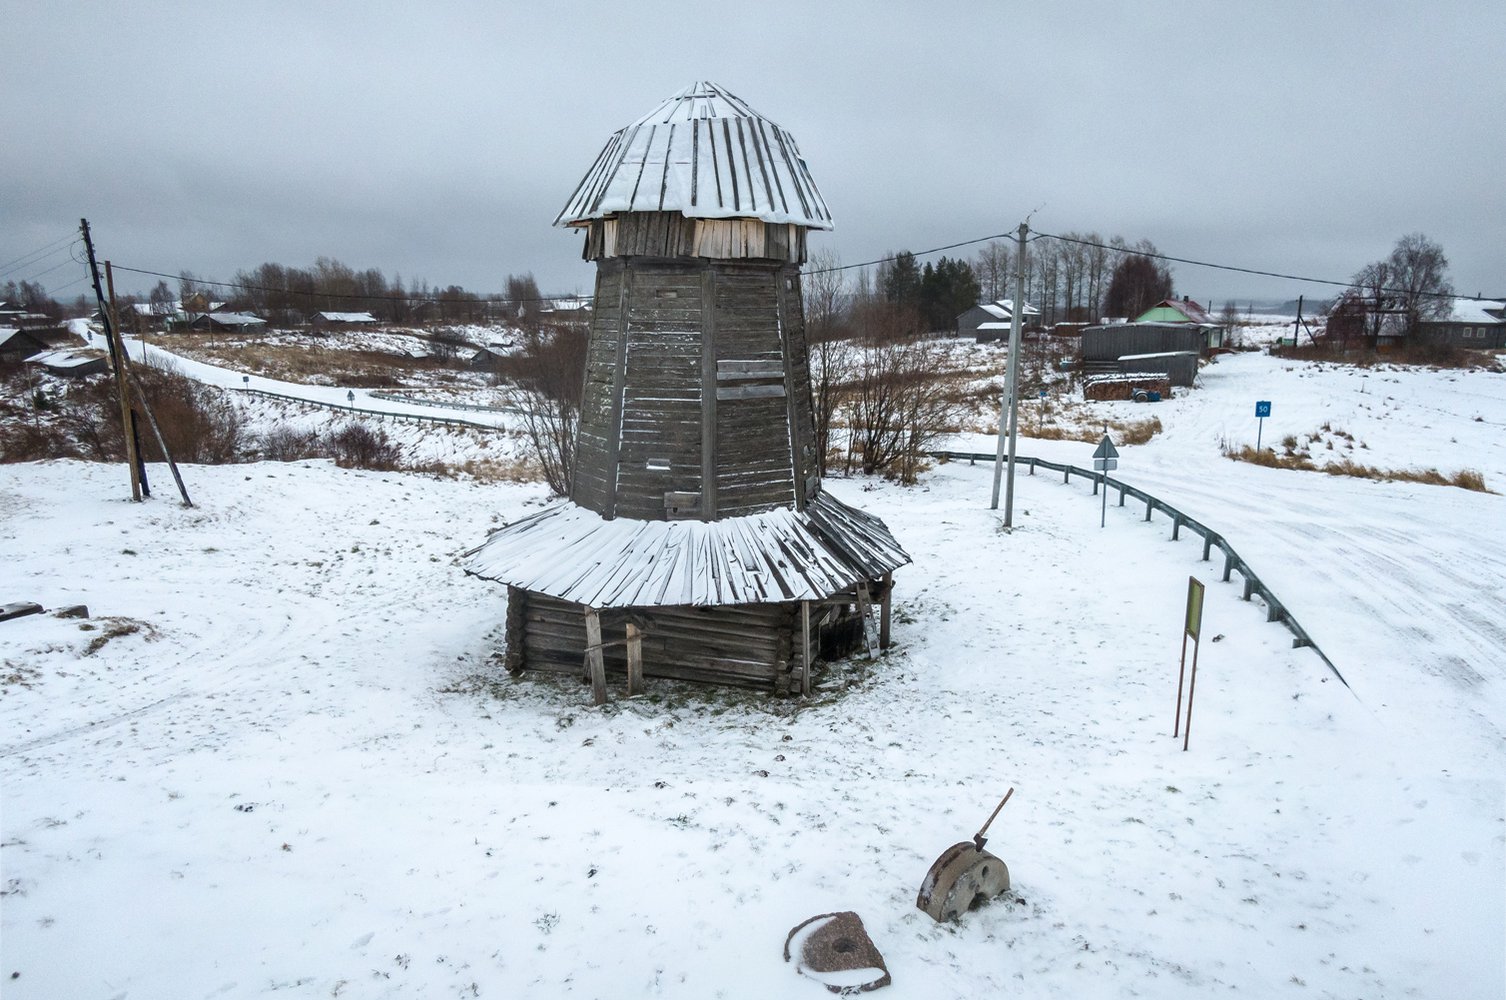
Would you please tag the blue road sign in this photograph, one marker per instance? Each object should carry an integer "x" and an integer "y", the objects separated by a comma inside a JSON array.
[{"x": 1263, "y": 408}]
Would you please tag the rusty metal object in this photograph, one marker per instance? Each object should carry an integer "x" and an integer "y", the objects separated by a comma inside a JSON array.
[
  {"x": 965, "y": 876},
  {"x": 835, "y": 951},
  {"x": 962, "y": 879}
]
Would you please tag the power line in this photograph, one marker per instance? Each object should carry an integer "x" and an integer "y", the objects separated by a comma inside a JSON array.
[
  {"x": 27, "y": 260},
  {"x": 1231, "y": 267},
  {"x": 918, "y": 253}
]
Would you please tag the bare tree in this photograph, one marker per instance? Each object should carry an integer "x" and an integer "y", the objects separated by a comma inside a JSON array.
[
  {"x": 524, "y": 302},
  {"x": 1419, "y": 279},
  {"x": 825, "y": 316},
  {"x": 549, "y": 375},
  {"x": 993, "y": 267}
]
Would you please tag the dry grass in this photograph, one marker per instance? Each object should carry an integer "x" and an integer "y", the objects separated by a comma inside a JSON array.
[
  {"x": 1122, "y": 431},
  {"x": 483, "y": 470},
  {"x": 116, "y": 627},
  {"x": 311, "y": 363},
  {"x": 1465, "y": 479}
]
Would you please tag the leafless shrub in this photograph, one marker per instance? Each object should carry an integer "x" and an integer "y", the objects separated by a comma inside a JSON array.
[
  {"x": 357, "y": 446},
  {"x": 284, "y": 443},
  {"x": 197, "y": 421},
  {"x": 24, "y": 441},
  {"x": 446, "y": 343},
  {"x": 903, "y": 396}
]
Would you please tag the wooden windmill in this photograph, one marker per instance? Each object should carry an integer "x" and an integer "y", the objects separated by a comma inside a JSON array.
[{"x": 696, "y": 522}]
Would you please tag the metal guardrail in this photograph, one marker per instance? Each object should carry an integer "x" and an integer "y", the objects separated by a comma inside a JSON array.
[
  {"x": 393, "y": 397},
  {"x": 382, "y": 414},
  {"x": 1276, "y": 611}
]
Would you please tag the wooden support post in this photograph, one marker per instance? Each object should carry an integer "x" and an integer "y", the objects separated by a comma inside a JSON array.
[
  {"x": 805, "y": 647},
  {"x": 634, "y": 660},
  {"x": 596, "y": 665},
  {"x": 886, "y": 608}
]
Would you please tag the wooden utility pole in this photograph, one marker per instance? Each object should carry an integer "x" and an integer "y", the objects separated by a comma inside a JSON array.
[
  {"x": 118, "y": 360},
  {"x": 133, "y": 432}
]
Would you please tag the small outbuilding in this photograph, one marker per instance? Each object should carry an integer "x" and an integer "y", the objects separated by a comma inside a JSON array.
[
  {"x": 990, "y": 321},
  {"x": 342, "y": 320},
  {"x": 72, "y": 364},
  {"x": 233, "y": 322},
  {"x": 18, "y": 345}
]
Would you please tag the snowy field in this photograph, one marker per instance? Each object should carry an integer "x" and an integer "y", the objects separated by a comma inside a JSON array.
[{"x": 281, "y": 759}]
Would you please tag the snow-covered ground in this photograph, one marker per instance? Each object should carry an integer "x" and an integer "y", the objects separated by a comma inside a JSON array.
[{"x": 292, "y": 766}]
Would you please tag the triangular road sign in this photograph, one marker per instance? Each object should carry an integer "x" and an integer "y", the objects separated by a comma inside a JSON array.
[{"x": 1106, "y": 449}]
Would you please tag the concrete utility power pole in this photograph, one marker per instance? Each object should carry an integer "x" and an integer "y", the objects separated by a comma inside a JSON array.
[{"x": 1011, "y": 400}]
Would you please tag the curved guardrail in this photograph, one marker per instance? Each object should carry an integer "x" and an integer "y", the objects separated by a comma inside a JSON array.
[
  {"x": 383, "y": 414},
  {"x": 1276, "y": 611}
]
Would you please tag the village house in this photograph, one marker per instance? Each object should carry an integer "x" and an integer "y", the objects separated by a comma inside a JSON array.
[
  {"x": 341, "y": 320},
  {"x": 18, "y": 345},
  {"x": 990, "y": 321},
  {"x": 1471, "y": 323}
]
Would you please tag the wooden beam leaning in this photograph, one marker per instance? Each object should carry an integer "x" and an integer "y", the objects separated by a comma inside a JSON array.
[
  {"x": 596, "y": 666},
  {"x": 118, "y": 352},
  {"x": 634, "y": 660},
  {"x": 805, "y": 647}
]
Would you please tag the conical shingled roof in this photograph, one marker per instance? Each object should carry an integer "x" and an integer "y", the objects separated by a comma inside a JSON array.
[{"x": 707, "y": 155}]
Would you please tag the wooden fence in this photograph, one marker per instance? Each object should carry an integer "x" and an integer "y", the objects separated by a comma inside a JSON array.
[{"x": 1276, "y": 611}]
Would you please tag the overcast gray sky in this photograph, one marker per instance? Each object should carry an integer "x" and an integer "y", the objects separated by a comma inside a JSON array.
[{"x": 439, "y": 140}]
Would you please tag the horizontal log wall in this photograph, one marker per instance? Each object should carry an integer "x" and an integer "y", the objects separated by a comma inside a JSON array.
[{"x": 742, "y": 645}]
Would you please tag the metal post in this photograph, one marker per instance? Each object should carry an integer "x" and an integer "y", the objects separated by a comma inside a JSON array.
[
  {"x": 1103, "y": 513},
  {"x": 1191, "y": 689}
]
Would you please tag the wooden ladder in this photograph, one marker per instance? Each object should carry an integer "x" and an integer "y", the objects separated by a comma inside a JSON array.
[{"x": 865, "y": 612}]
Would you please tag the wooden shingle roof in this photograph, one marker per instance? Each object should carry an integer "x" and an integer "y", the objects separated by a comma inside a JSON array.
[
  {"x": 707, "y": 155},
  {"x": 575, "y": 554}
]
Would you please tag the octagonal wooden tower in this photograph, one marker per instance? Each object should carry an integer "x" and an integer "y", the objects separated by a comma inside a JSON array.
[{"x": 696, "y": 514}]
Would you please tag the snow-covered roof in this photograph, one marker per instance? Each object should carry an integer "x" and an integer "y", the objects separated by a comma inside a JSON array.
[
  {"x": 1192, "y": 310},
  {"x": 1476, "y": 311},
  {"x": 346, "y": 317},
  {"x": 707, "y": 155},
  {"x": 1008, "y": 306},
  {"x": 230, "y": 319},
  {"x": 66, "y": 359},
  {"x": 575, "y": 554}
]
